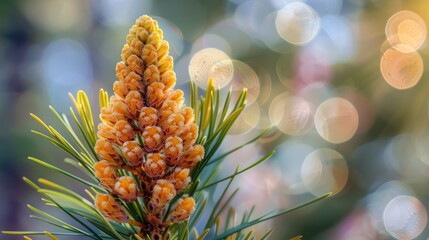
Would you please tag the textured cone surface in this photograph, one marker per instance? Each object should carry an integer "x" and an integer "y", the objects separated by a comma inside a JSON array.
[
  {"x": 110, "y": 208},
  {"x": 183, "y": 209},
  {"x": 146, "y": 129}
]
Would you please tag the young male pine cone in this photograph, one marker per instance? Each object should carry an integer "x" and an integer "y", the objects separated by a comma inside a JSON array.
[{"x": 147, "y": 132}]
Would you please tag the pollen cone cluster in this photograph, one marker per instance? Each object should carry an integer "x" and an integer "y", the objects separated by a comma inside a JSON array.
[{"x": 147, "y": 137}]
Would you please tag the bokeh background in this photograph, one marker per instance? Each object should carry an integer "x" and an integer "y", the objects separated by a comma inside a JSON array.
[{"x": 343, "y": 86}]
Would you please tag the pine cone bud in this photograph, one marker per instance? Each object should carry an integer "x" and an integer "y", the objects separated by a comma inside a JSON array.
[
  {"x": 148, "y": 117},
  {"x": 119, "y": 108},
  {"x": 151, "y": 75},
  {"x": 124, "y": 131},
  {"x": 168, "y": 79},
  {"x": 107, "y": 151},
  {"x": 109, "y": 116},
  {"x": 149, "y": 55},
  {"x": 180, "y": 178},
  {"x": 136, "y": 46},
  {"x": 126, "y": 188},
  {"x": 191, "y": 157},
  {"x": 134, "y": 101},
  {"x": 125, "y": 54},
  {"x": 135, "y": 64},
  {"x": 152, "y": 138},
  {"x": 134, "y": 82},
  {"x": 133, "y": 153},
  {"x": 147, "y": 23},
  {"x": 183, "y": 209},
  {"x": 141, "y": 33},
  {"x": 188, "y": 114},
  {"x": 189, "y": 135},
  {"x": 176, "y": 96},
  {"x": 156, "y": 135},
  {"x": 121, "y": 89},
  {"x": 155, "y": 166},
  {"x": 110, "y": 208},
  {"x": 122, "y": 71},
  {"x": 168, "y": 107},
  {"x": 155, "y": 94},
  {"x": 106, "y": 132},
  {"x": 163, "y": 49},
  {"x": 106, "y": 173},
  {"x": 173, "y": 124},
  {"x": 173, "y": 149},
  {"x": 154, "y": 39},
  {"x": 165, "y": 64},
  {"x": 162, "y": 193}
]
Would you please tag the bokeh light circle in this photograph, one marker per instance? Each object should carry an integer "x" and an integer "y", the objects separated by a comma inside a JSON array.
[
  {"x": 271, "y": 38},
  {"x": 377, "y": 201},
  {"x": 406, "y": 31},
  {"x": 336, "y": 120},
  {"x": 401, "y": 70},
  {"x": 405, "y": 217},
  {"x": 244, "y": 77},
  {"x": 211, "y": 63},
  {"x": 323, "y": 171},
  {"x": 297, "y": 23},
  {"x": 292, "y": 115}
]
